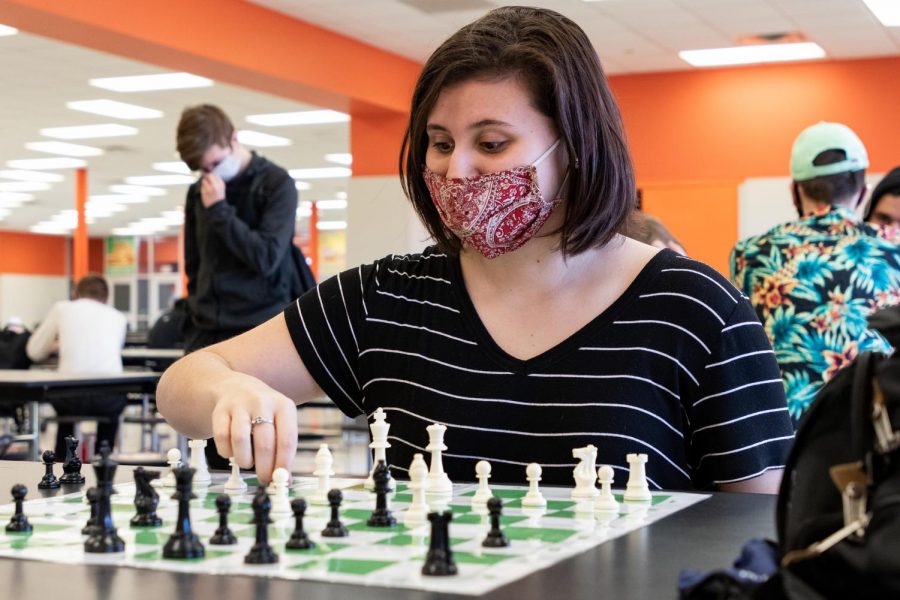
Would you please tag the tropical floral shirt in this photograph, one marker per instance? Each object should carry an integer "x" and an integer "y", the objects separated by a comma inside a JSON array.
[{"x": 813, "y": 282}]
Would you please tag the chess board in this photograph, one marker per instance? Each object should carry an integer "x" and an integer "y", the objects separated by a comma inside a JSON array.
[{"x": 384, "y": 557}]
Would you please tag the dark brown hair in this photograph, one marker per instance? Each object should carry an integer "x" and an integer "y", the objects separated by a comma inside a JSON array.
[
  {"x": 836, "y": 188},
  {"x": 200, "y": 128},
  {"x": 556, "y": 62},
  {"x": 92, "y": 286}
]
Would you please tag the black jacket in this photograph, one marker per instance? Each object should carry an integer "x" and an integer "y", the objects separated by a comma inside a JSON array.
[{"x": 237, "y": 252}]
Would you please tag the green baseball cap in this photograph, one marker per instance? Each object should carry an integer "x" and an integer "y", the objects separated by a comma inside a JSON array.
[{"x": 820, "y": 137}]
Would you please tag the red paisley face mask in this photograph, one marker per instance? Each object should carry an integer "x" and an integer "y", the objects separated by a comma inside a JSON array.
[{"x": 494, "y": 213}]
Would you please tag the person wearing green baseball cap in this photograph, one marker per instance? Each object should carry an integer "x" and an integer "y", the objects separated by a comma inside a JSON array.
[{"x": 814, "y": 281}]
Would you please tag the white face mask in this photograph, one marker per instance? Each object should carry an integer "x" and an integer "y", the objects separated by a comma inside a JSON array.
[{"x": 229, "y": 167}]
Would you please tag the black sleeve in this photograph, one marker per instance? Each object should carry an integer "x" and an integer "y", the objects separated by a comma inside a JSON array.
[{"x": 191, "y": 255}]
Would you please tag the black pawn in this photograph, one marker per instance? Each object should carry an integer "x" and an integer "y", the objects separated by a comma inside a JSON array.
[
  {"x": 334, "y": 527},
  {"x": 104, "y": 538},
  {"x": 381, "y": 516},
  {"x": 261, "y": 553},
  {"x": 72, "y": 467},
  {"x": 439, "y": 560},
  {"x": 184, "y": 543},
  {"x": 18, "y": 523},
  {"x": 299, "y": 540},
  {"x": 145, "y": 499},
  {"x": 223, "y": 535},
  {"x": 93, "y": 498},
  {"x": 495, "y": 538},
  {"x": 49, "y": 480}
]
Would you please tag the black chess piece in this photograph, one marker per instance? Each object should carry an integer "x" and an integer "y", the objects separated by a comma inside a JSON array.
[
  {"x": 184, "y": 543},
  {"x": 104, "y": 538},
  {"x": 381, "y": 516},
  {"x": 49, "y": 480},
  {"x": 18, "y": 523},
  {"x": 93, "y": 498},
  {"x": 334, "y": 527},
  {"x": 299, "y": 539},
  {"x": 145, "y": 499},
  {"x": 439, "y": 560},
  {"x": 72, "y": 467},
  {"x": 495, "y": 538},
  {"x": 261, "y": 553},
  {"x": 223, "y": 535}
]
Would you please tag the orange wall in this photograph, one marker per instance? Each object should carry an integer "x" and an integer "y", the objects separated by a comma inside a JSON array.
[
  {"x": 96, "y": 255},
  {"x": 32, "y": 254}
]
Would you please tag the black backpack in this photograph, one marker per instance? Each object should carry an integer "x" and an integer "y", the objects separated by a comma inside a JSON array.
[{"x": 12, "y": 349}]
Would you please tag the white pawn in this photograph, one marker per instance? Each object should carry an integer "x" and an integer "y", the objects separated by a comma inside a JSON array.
[
  {"x": 483, "y": 493},
  {"x": 281, "y": 506},
  {"x": 438, "y": 482},
  {"x": 198, "y": 462},
  {"x": 637, "y": 489},
  {"x": 173, "y": 459},
  {"x": 379, "y": 428},
  {"x": 235, "y": 483},
  {"x": 606, "y": 502},
  {"x": 584, "y": 472},
  {"x": 534, "y": 497},
  {"x": 324, "y": 462},
  {"x": 417, "y": 513}
]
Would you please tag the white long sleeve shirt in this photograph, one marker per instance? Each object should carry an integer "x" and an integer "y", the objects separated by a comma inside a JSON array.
[{"x": 91, "y": 336}]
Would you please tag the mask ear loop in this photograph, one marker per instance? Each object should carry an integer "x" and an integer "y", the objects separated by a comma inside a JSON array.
[{"x": 546, "y": 153}]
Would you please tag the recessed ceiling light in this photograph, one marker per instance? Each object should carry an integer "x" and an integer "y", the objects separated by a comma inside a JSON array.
[
  {"x": 886, "y": 11},
  {"x": 160, "y": 180},
  {"x": 118, "y": 199},
  {"x": 137, "y": 190},
  {"x": 39, "y": 164},
  {"x": 344, "y": 158},
  {"x": 756, "y": 53},
  {"x": 64, "y": 148},
  {"x": 146, "y": 83},
  {"x": 304, "y": 210},
  {"x": 306, "y": 117},
  {"x": 18, "y": 197},
  {"x": 320, "y": 173},
  {"x": 115, "y": 109},
  {"x": 110, "y": 207},
  {"x": 80, "y": 132},
  {"x": 174, "y": 166},
  {"x": 23, "y": 186},
  {"x": 249, "y": 137},
  {"x": 31, "y": 176},
  {"x": 331, "y": 204},
  {"x": 7, "y": 30},
  {"x": 4, "y": 204},
  {"x": 48, "y": 229},
  {"x": 331, "y": 225},
  {"x": 302, "y": 185}
]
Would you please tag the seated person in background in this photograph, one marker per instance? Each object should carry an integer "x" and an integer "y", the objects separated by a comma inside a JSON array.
[
  {"x": 650, "y": 230},
  {"x": 168, "y": 330},
  {"x": 89, "y": 336},
  {"x": 814, "y": 281},
  {"x": 533, "y": 326},
  {"x": 884, "y": 205}
]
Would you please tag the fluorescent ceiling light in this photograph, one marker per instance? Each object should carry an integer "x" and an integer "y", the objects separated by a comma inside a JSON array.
[
  {"x": 115, "y": 109},
  {"x": 146, "y": 83},
  {"x": 3, "y": 213},
  {"x": 137, "y": 190},
  {"x": 64, "y": 148},
  {"x": 118, "y": 199},
  {"x": 342, "y": 195},
  {"x": 174, "y": 166},
  {"x": 161, "y": 180},
  {"x": 320, "y": 173},
  {"x": 306, "y": 117},
  {"x": 39, "y": 164},
  {"x": 886, "y": 11},
  {"x": 757, "y": 53},
  {"x": 344, "y": 158},
  {"x": 249, "y": 137},
  {"x": 5, "y": 204},
  {"x": 304, "y": 211},
  {"x": 105, "y": 206},
  {"x": 7, "y": 30},
  {"x": 331, "y": 204},
  {"x": 79, "y": 132},
  {"x": 31, "y": 176},
  {"x": 23, "y": 186},
  {"x": 18, "y": 198},
  {"x": 48, "y": 228},
  {"x": 302, "y": 185},
  {"x": 331, "y": 225}
]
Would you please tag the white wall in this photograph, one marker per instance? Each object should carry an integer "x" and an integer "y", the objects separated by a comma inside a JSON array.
[
  {"x": 30, "y": 297},
  {"x": 380, "y": 221}
]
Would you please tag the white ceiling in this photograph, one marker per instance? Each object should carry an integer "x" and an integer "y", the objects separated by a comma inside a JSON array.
[{"x": 38, "y": 76}]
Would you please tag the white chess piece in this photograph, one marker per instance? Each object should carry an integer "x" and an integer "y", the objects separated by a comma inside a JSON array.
[
  {"x": 438, "y": 482},
  {"x": 637, "y": 489},
  {"x": 534, "y": 497},
  {"x": 235, "y": 483},
  {"x": 173, "y": 459},
  {"x": 324, "y": 462},
  {"x": 483, "y": 493},
  {"x": 198, "y": 462},
  {"x": 417, "y": 513},
  {"x": 379, "y": 428},
  {"x": 606, "y": 502},
  {"x": 281, "y": 506},
  {"x": 584, "y": 472}
]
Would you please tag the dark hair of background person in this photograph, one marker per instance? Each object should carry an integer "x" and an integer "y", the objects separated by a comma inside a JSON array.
[
  {"x": 829, "y": 189},
  {"x": 554, "y": 59},
  {"x": 92, "y": 286},
  {"x": 200, "y": 128},
  {"x": 648, "y": 229},
  {"x": 889, "y": 185}
]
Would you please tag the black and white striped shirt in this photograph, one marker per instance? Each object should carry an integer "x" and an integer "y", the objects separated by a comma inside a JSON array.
[{"x": 678, "y": 368}]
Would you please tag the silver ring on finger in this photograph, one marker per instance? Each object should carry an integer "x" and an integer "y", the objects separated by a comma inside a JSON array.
[{"x": 260, "y": 421}]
